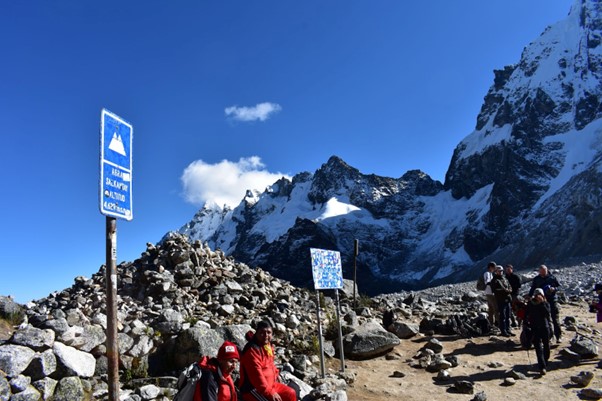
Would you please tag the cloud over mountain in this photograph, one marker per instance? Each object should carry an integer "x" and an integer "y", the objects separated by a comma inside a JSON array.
[{"x": 226, "y": 182}]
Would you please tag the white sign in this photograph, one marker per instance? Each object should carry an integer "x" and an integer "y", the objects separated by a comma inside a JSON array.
[{"x": 326, "y": 269}]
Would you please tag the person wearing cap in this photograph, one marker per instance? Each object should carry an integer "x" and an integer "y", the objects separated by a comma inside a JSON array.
[
  {"x": 538, "y": 318},
  {"x": 216, "y": 383},
  {"x": 549, "y": 285},
  {"x": 503, "y": 296},
  {"x": 492, "y": 311},
  {"x": 258, "y": 373}
]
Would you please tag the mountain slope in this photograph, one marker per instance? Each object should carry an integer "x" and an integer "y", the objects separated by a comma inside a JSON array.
[{"x": 523, "y": 187}]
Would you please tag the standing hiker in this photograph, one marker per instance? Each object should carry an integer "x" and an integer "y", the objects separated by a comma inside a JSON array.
[
  {"x": 491, "y": 302},
  {"x": 549, "y": 285},
  {"x": 538, "y": 318}
]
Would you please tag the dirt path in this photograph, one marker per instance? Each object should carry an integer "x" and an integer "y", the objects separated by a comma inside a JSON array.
[{"x": 484, "y": 361}]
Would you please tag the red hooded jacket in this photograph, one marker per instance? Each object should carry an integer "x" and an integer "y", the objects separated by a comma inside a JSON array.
[{"x": 213, "y": 385}]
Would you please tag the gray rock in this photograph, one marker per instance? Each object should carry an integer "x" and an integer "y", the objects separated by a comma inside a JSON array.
[
  {"x": 72, "y": 362},
  {"x": 480, "y": 396},
  {"x": 463, "y": 387},
  {"x": 226, "y": 310},
  {"x": 4, "y": 389},
  {"x": 338, "y": 395},
  {"x": 42, "y": 365},
  {"x": 434, "y": 345},
  {"x": 124, "y": 342},
  {"x": 170, "y": 321},
  {"x": 192, "y": 343},
  {"x": 148, "y": 392},
  {"x": 69, "y": 389},
  {"x": 36, "y": 339},
  {"x": 584, "y": 346},
  {"x": 369, "y": 340},
  {"x": 14, "y": 359},
  {"x": 29, "y": 394},
  {"x": 142, "y": 346},
  {"x": 59, "y": 326},
  {"x": 91, "y": 337},
  {"x": 516, "y": 375},
  {"x": 19, "y": 383},
  {"x": 46, "y": 387},
  {"x": 583, "y": 379},
  {"x": 403, "y": 330},
  {"x": 591, "y": 393}
]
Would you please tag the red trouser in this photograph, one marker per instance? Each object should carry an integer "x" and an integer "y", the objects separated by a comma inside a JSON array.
[{"x": 285, "y": 392}]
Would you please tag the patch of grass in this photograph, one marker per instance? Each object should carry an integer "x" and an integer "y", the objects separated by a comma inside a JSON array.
[
  {"x": 6, "y": 329},
  {"x": 14, "y": 318}
]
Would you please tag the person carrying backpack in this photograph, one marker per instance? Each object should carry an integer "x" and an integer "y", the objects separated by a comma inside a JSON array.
[
  {"x": 215, "y": 383},
  {"x": 538, "y": 318},
  {"x": 258, "y": 373}
]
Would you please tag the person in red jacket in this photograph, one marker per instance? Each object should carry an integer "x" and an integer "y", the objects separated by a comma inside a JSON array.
[
  {"x": 215, "y": 383},
  {"x": 258, "y": 372}
]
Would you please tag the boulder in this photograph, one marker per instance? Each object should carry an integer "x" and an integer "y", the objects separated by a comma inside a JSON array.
[
  {"x": 369, "y": 340},
  {"x": 31, "y": 337},
  {"x": 14, "y": 359},
  {"x": 72, "y": 362}
]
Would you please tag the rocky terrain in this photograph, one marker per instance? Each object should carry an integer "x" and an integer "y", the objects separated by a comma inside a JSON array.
[{"x": 180, "y": 300}]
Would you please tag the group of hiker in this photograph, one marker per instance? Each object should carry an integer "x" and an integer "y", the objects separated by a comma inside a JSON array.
[
  {"x": 537, "y": 312},
  {"x": 259, "y": 377}
]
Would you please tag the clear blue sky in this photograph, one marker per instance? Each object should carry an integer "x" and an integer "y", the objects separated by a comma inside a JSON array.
[{"x": 387, "y": 85}]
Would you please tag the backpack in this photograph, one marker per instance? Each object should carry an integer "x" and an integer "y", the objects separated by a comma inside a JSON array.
[
  {"x": 481, "y": 285},
  {"x": 187, "y": 382},
  {"x": 526, "y": 337}
]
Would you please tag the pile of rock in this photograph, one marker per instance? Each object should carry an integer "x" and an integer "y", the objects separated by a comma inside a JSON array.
[{"x": 176, "y": 302}]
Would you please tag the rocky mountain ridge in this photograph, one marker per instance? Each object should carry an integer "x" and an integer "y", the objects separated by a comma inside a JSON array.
[{"x": 523, "y": 187}]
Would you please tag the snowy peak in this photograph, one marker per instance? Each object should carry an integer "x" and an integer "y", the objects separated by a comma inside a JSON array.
[{"x": 525, "y": 187}]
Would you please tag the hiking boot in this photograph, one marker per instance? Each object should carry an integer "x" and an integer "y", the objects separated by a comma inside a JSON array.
[{"x": 543, "y": 372}]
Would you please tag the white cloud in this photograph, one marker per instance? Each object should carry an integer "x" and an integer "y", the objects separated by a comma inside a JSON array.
[
  {"x": 225, "y": 182},
  {"x": 261, "y": 112}
]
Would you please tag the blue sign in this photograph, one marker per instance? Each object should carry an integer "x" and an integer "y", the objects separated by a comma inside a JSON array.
[
  {"x": 116, "y": 137},
  {"x": 326, "y": 269}
]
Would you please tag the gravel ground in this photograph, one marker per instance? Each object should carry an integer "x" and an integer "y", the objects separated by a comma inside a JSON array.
[{"x": 575, "y": 281}]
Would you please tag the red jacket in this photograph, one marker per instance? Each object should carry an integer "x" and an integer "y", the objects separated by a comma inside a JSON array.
[
  {"x": 258, "y": 369},
  {"x": 213, "y": 385}
]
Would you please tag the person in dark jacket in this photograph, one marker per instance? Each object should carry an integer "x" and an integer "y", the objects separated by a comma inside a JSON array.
[
  {"x": 503, "y": 296},
  {"x": 515, "y": 283},
  {"x": 259, "y": 379},
  {"x": 597, "y": 306},
  {"x": 549, "y": 284},
  {"x": 538, "y": 318},
  {"x": 215, "y": 383}
]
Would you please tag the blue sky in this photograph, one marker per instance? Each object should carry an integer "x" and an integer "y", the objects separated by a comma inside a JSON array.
[{"x": 225, "y": 95}]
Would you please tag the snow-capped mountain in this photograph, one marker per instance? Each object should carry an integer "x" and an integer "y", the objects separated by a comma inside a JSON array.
[{"x": 525, "y": 187}]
